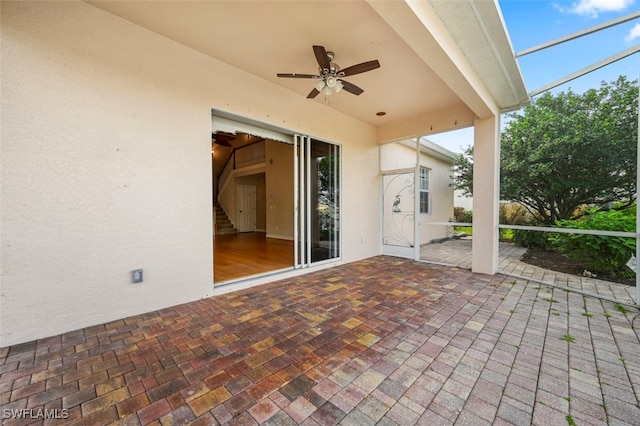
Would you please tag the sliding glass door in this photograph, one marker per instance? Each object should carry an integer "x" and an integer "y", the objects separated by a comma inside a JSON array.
[
  {"x": 271, "y": 213},
  {"x": 317, "y": 189}
]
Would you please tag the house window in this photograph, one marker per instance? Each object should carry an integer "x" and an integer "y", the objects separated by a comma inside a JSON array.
[{"x": 425, "y": 205}]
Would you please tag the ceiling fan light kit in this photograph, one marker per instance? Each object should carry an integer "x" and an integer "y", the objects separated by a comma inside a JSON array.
[
  {"x": 328, "y": 84},
  {"x": 330, "y": 75}
]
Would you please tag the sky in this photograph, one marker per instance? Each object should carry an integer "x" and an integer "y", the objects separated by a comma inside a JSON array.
[{"x": 533, "y": 22}]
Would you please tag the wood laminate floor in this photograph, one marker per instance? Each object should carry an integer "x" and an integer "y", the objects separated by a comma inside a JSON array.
[{"x": 242, "y": 255}]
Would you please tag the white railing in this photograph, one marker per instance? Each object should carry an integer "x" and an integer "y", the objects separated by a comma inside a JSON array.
[
  {"x": 250, "y": 155},
  {"x": 224, "y": 176},
  {"x": 570, "y": 231}
]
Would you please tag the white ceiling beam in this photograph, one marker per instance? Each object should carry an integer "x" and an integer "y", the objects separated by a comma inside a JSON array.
[{"x": 442, "y": 120}]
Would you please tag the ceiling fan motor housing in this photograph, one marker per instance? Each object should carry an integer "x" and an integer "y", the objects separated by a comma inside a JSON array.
[{"x": 334, "y": 69}]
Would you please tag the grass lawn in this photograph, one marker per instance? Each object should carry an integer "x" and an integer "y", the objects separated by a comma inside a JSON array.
[{"x": 466, "y": 229}]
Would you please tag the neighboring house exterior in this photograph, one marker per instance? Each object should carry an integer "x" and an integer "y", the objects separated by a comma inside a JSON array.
[
  {"x": 433, "y": 194},
  {"x": 106, "y": 127},
  {"x": 436, "y": 164}
]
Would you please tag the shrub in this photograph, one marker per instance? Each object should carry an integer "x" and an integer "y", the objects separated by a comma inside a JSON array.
[
  {"x": 462, "y": 215},
  {"x": 601, "y": 253},
  {"x": 513, "y": 214},
  {"x": 517, "y": 214},
  {"x": 506, "y": 234},
  {"x": 532, "y": 239}
]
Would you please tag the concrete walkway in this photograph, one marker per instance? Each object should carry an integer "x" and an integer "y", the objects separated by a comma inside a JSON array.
[{"x": 458, "y": 253}]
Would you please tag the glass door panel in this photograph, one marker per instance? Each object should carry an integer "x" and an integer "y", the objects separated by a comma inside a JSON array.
[
  {"x": 317, "y": 187},
  {"x": 324, "y": 198},
  {"x": 302, "y": 250}
]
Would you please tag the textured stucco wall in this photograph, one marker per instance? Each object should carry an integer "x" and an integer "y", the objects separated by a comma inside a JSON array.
[
  {"x": 441, "y": 198},
  {"x": 106, "y": 166}
]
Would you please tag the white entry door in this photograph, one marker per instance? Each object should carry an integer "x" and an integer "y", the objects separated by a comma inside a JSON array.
[
  {"x": 246, "y": 212},
  {"x": 398, "y": 225}
]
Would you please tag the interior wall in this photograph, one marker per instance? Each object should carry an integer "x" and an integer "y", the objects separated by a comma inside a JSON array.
[
  {"x": 261, "y": 203},
  {"x": 106, "y": 167},
  {"x": 279, "y": 190}
]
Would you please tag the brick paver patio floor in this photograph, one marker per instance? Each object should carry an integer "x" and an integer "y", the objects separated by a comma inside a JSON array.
[
  {"x": 458, "y": 253},
  {"x": 381, "y": 341}
]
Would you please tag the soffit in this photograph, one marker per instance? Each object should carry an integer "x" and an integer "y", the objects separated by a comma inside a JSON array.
[
  {"x": 479, "y": 30},
  {"x": 264, "y": 38}
]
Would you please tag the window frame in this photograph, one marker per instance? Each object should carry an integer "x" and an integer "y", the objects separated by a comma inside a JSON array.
[{"x": 426, "y": 190}]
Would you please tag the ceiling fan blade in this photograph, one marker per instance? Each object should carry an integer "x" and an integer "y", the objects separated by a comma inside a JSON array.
[
  {"x": 321, "y": 57},
  {"x": 351, "y": 88},
  {"x": 296, "y": 75},
  {"x": 360, "y": 68},
  {"x": 313, "y": 93},
  {"x": 223, "y": 139}
]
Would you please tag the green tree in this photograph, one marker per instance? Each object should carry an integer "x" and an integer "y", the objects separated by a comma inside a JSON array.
[{"x": 566, "y": 150}]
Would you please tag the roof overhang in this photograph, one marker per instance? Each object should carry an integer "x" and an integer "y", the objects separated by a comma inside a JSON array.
[{"x": 443, "y": 62}]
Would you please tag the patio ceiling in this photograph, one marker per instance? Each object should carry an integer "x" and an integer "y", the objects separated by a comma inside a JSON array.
[{"x": 458, "y": 63}]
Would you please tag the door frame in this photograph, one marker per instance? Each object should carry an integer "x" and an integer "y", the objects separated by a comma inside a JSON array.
[{"x": 232, "y": 123}]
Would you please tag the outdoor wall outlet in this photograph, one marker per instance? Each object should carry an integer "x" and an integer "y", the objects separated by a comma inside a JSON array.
[{"x": 136, "y": 276}]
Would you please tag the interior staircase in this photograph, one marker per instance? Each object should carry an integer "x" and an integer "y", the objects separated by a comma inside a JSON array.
[{"x": 223, "y": 225}]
